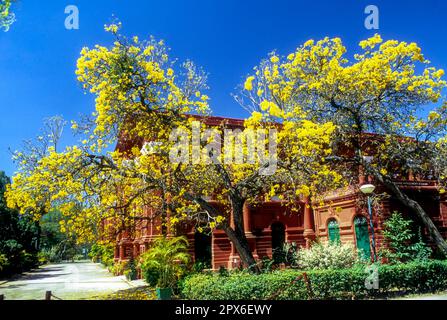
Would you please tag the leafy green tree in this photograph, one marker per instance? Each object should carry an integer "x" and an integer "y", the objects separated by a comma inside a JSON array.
[
  {"x": 19, "y": 236},
  {"x": 102, "y": 252},
  {"x": 51, "y": 234},
  {"x": 403, "y": 244},
  {"x": 55, "y": 244}
]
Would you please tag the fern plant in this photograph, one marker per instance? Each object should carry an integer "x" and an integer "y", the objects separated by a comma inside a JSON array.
[{"x": 167, "y": 257}]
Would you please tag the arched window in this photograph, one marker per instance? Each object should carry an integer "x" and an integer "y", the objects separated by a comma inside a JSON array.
[
  {"x": 333, "y": 231},
  {"x": 278, "y": 239},
  {"x": 362, "y": 237}
]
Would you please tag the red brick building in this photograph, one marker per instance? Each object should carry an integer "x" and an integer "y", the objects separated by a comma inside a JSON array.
[{"x": 341, "y": 215}]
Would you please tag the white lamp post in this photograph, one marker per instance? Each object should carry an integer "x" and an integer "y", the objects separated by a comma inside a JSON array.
[{"x": 367, "y": 189}]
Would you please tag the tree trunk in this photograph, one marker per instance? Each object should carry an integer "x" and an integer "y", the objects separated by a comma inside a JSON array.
[
  {"x": 241, "y": 244},
  {"x": 237, "y": 236},
  {"x": 38, "y": 236},
  {"x": 416, "y": 208}
]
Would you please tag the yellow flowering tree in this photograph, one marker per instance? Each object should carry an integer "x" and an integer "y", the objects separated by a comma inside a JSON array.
[
  {"x": 138, "y": 96},
  {"x": 378, "y": 101},
  {"x": 169, "y": 156},
  {"x": 6, "y": 16}
]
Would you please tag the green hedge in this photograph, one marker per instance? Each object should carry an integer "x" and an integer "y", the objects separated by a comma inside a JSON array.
[{"x": 416, "y": 277}]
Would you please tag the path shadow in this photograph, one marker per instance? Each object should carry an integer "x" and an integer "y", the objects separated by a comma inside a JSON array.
[{"x": 37, "y": 274}]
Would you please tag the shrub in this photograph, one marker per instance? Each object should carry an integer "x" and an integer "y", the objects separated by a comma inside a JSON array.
[
  {"x": 19, "y": 262},
  {"x": 107, "y": 256},
  {"x": 287, "y": 254},
  {"x": 323, "y": 256},
  {"x": 416, "y": 277},
  {"x": 50, "y": 255},
  {"x": 95, "y": 252},
  {"x": 118, "y": 268},
  {"x": 199, "y": 266},
  {"x": 223, "y": 272},
  {"x": 28, "y": 260},
  {"x": 3, "y": 262},
  {"x": 103, "y": 253},
  {"x": 266, "y": 264},
  {"x": 78, "y": 257},
  {"x": 403, "y": 244},
  {"x": 151, "y": 275},
  {"x": 42, "y": 258},
  {"x": 130, "y": 270},
  {"x": 279, "y": 284},
  {"x": 168, "y": 257}
]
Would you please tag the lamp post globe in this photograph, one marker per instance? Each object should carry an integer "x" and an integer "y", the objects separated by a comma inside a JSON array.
[{"x": 367, "y": 188}]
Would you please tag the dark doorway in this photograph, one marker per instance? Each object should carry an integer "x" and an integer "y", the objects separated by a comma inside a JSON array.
[
  {"x": 278, "y": 240},
  {"x": 202, "y": 248}
]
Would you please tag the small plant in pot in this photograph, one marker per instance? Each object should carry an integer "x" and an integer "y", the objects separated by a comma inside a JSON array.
[{"x": 164, "y": 263}]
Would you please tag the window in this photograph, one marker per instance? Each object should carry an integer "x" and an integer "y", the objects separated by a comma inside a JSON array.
[{"x": 333, "y": 231}]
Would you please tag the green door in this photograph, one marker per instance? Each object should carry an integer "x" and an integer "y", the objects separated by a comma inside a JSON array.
[
  {"x": 333, "y": 231},
  {"x": 362, "y": 237}
]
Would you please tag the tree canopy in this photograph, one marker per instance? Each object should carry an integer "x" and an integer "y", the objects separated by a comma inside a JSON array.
[
  {"x": 386, "y": 103},
  {"x": 169, "y": 161},
  {"x": 173, "y": 165}
]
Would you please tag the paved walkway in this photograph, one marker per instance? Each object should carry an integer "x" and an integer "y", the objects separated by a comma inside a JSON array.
[
  {"x": 68, "y": 281},
  {"x": 440, "y": 296}
]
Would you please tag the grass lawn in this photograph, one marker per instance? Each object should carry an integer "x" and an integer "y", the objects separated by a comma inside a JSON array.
[{"x": 140, "y": 293}]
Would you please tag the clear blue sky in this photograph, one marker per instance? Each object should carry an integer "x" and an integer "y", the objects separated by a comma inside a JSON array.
[{"x": 227, "y": 38}]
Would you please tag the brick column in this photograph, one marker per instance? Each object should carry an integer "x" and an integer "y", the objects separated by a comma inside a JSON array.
[
  {"x": 122, "y": 251},
  {"x": 362, "y": 178},
  {"x": 116, "y": 253},
  {"x": 247, "y": 219},
  {"x": 136, "y": 249},
  {"x": 309, "y": 232},
  {"x": 125, "y": 241},
  {"x": 410, "y": 175}
]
